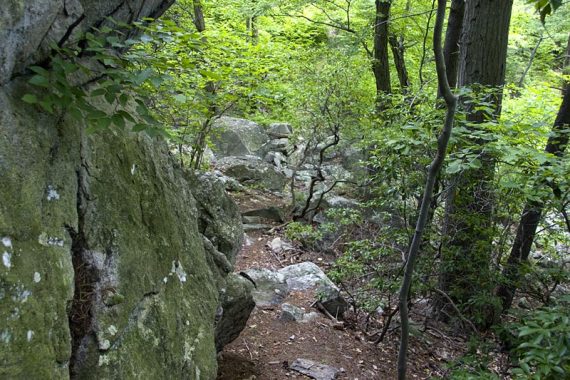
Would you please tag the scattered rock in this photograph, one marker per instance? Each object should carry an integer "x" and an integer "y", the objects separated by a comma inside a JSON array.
[
  {"x": 279, "y": 130},
  {"x": 277, "y": 145},
  {"x": 253, "y": 170},
  {"x": 314, "y": 370},
  {"x": 271, "y": 287},
  {"x": 277, "y": 159},
  {"x": 237, "y": 137},
  {"x": 251, "y": 219},
  {"x": 340, "y": 202},
  {"x": 332, "y": 301},
  {"x": 229, "y": 183},
  {"x": 255, "y": 227},
  {"x": 278, "y": 245},
  {"x": 305, "y": 276},
  {"x": 308, "y": 275},
  {"x": 292, "y": 313},
  {"x": 270, "y": 213}
]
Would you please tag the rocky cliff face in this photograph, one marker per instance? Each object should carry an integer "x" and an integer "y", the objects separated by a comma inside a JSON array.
[
  {"x": 29, "y": 27},
  {"x": 110, "y": 268}
]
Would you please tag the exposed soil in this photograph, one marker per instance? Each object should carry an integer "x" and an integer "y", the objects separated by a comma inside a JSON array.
[{"x": 268, "y": 345}]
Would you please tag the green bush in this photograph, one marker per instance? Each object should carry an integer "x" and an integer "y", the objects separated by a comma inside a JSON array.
[{"x": 543, "y": 350}]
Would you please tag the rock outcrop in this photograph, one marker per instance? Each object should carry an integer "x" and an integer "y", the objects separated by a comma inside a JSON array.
[
  {"x": 237, "y": 137},
  {"x": 253, "y": 170},
  {"x": 114, "y": 261}
]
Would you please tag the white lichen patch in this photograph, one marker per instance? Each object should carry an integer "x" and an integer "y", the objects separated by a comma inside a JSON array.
[
  {"x": 133, "y": 169},
  {"x": 50, "y": 241},
  {"x": 112, "y": 330},
  {"x": 178, "y": 270},
  {"x": 5, "y": 337},
  {"x": 104, "y": 345},
  {"x": 103, "y": 360},
  {"x": 7, "y": 259},
  {"x": 189, "y": 349},
  {"x": 7, "y": 242},
  {"x": 37, "y": 277},
  {"x": 30, "y": 335},
  {"x": 52, "y": 194},
  {"x": 188, "y": 352},
  {"x": 21, "y": 294},
  {"x": 14, "y": 314},
  {"x": 181, "y": 274}
]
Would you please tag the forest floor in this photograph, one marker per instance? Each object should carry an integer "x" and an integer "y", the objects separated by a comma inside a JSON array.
[{"x": 267, "y": 346}]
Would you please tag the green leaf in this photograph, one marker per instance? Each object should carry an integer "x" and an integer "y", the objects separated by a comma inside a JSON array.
[
  {"x": 46, "y": 105},
  {"x": 118, "y": 120},
  {"x": 75, "y": 113},
  {"x": 454, "y": 167},
  {"x": 98, "y": 92},
  {"x": 139, "y": 127},
  {"x": 123, "y": 99},
  {"x": 30, "y": 98},
  {"x": 39, "y": 80},
  {"x": 40, "y": 70},
  {"x": 103, "y": 123},
  {"x": 180, "y": 98}
]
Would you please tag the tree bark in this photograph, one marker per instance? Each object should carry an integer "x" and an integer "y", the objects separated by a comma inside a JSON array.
[
  {"x": 380, "y": 65},
  {"x": 452, "y": 39},
  {"x": 433, "y": 171},
  {"x": 465, "y": 270},
  {"x": 398, "y": 50},
  {"x": 199, "y": 21},
  {"x": 532, "y": 212},
  {"x": 252, "y": 29}
]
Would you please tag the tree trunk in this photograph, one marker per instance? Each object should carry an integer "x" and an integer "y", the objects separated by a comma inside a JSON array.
[
  {"x": 199, "y": 21},
  {"x": 397, "y": 46},
  {"x": 452, "y": 37},
  {"x": 380, "y": 65},
  {"x": 433, "y": 171},
  {"x": 252, "y": 30},
  {"x": 532, "y": 212},
  {"x": 466, "y": 258}
]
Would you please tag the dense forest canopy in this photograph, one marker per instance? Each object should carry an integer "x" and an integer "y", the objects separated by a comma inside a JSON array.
[{"x": 360, "y": 76}]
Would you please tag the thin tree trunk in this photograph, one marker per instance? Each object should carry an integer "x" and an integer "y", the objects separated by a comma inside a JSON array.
[
  {"x": 452, "y": 37},
  {"x": 434, "y": 169},
  {"x": 532, "y": 212},
  {"x": 520, "y": 83},
  {"x": 380, "y": 65},
  {"x": 397, "y": 46},
  {"x": 252, "y": 30}
]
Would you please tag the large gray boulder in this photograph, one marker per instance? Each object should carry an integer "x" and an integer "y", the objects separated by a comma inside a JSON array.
[
  {"x": 308, "y": 275},
  {"x": 108, "y": 270},
  {"x": 251, "y": 170},
  {"x": 237, "y": 137},
  {"x": 108, "y": 276},
  {"x": 270, "y": 287}
]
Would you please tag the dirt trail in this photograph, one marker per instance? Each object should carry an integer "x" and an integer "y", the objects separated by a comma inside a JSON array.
[{"x": 268, "y": 345}]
